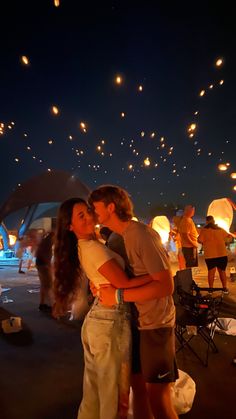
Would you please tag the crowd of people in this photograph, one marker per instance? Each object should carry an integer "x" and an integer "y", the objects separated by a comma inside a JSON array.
[
  {"x": 213, "y": 239},
  {"x": 128, "y": 332}
]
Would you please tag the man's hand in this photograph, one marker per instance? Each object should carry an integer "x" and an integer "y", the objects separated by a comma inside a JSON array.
[{"x": 107, "y": 295}]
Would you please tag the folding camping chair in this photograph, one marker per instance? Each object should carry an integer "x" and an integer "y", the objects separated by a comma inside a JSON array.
[{"x": 196, "y": 314}]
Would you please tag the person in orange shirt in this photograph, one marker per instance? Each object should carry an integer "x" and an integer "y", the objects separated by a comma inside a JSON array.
[
  {"x": 213, "y": 239},
  {"x": 188, "y": 235}
]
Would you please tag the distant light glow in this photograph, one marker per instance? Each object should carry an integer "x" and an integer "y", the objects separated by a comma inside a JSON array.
[
  {"x": 219, "y": 62},
  {"x": 222, "y": 167},
  {"x": 147, "y": 162},
  {"x": 118, "y": 80},
  {"x": 25, "y": 60},
  {"x": 55, "y": 110}
]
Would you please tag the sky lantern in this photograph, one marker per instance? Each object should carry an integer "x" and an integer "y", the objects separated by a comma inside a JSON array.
[
  {"x": 233, "y": 175},
  {"x": 56, "y": 3},
  {"x": 219, "y": 62},
  {"x": 122, "y": 114},
  {"x": 222, "y": 211},
  {"x": 234, "y": 188},
  {"x": 161, "y": 224},
  {"x": 55, "y": 110},
  {"x": 147, "y": 162},
  {"x": 118, "y": 79},
  {"x": 83, "y": 126},
  {"x": 202, "y": 93},
  {"x": 24, "y": 60},
  {"x": 222, "y": 167},
  {"x": 140, "y": 88}
]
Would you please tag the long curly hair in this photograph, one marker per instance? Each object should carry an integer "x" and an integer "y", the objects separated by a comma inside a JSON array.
[{"x": 67, "y": 265}]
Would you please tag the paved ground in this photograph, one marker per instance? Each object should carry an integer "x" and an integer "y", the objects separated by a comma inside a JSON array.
[{"x": 42, "y": 366}]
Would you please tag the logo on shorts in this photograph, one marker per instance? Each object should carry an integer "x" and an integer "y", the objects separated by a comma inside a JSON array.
[{"x": 160, "y": 376}]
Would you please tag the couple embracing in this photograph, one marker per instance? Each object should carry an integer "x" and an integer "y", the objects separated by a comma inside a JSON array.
[{"x": 117, "y": 354}]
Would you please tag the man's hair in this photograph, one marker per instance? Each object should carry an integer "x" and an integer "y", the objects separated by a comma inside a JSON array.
[
  {"x": 113, "y": 194},
  {"x": 210, "y": 219}
]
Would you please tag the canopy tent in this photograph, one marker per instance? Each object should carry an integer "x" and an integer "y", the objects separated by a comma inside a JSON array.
[{"x": 55, "y": 186}]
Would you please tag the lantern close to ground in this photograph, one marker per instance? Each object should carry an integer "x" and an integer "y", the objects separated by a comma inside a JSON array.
[{"x": 222, "y": 211}]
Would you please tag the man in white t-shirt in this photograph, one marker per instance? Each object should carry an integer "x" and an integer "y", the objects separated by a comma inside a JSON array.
[{"x": 154, "y": 300}]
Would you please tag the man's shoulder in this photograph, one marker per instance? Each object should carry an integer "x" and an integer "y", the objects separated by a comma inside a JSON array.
[{"x": 137, "y": 227}]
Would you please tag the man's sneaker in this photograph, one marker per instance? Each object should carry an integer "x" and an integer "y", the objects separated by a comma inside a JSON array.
[{"x": 225, "y": 291}]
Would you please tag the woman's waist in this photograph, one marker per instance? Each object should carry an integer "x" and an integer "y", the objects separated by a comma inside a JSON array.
[{"x": 121, "y": 308}]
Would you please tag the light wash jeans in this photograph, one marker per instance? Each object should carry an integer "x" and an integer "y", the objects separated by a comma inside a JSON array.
[{"x": 106, "y": 338}]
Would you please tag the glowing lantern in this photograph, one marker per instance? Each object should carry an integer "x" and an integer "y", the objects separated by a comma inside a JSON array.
[
  {"x": 233, "y": 175},
  {"x": 118, "y": 80},
  {"x": 147, "y": 161},
  {"x": 219, "y": 62},
  {"x": 202, "y": 93},
  {"x": 56, "y": 3},
  {"x": 55, "y": 110},
  {"x": 234, "y": 188},
  {"x": 25, "y": 60},
  {"x": 222, "y": 167},
  {"x": 83, "y": 126},
  {"x": 12, "y": 239},
  {"x": 222, "y": 211},
  {"x": 140, "y": 88},
  {"x": 161, "y": 224}
]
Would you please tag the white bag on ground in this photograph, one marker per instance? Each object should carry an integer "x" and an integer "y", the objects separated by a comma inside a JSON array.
[{"x": 183, "y": 392}]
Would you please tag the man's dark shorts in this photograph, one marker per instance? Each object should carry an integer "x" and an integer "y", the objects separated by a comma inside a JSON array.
[
  {"x": 220, "y": 263},
  {"x": 190, "y": 256},
  {"x": 153, "y": 355}
]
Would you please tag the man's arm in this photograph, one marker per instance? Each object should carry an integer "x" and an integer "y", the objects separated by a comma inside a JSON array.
[
  {"x": 161, "y": 286},
  {"x": 118, "y": 278}
]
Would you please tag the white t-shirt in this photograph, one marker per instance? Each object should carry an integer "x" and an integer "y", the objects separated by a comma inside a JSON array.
[{"x": 93, "y": 255}]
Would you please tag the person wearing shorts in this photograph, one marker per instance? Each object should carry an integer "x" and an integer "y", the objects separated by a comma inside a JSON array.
[
  {"x": 213, "y": 239},
  {"x": 154, "y": 340},
  {"x": 188, "y": 236}
]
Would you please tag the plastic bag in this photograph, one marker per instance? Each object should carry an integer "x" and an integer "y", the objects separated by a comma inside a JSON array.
[{"x": 183, "y": 392}]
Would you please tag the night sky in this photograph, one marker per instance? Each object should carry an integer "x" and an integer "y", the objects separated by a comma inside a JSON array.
[{"x": 164, "y": 54}]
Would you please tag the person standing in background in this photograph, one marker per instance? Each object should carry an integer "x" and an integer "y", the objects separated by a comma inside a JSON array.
[
  {"x": 213, "y": 239},
  {"x": 44, "y": 254},
  {"x": 188, "y": 236}
]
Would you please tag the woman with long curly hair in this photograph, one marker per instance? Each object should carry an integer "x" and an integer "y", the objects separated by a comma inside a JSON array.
[{"x": 105, "y": 333}]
